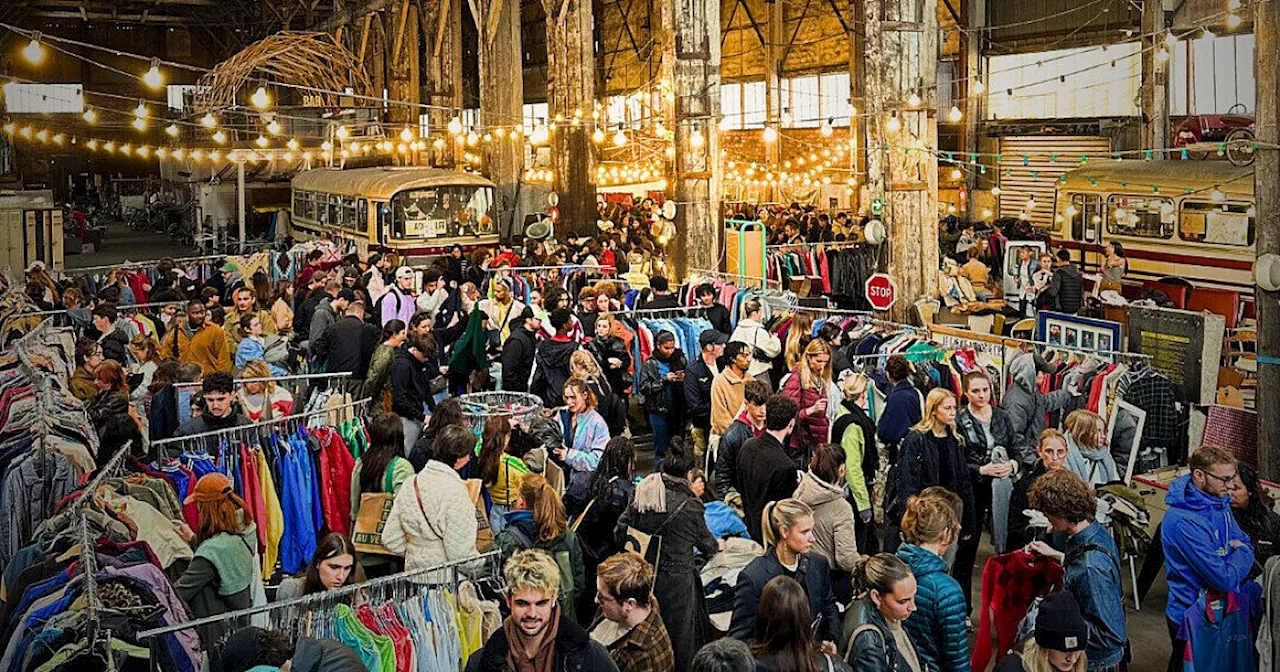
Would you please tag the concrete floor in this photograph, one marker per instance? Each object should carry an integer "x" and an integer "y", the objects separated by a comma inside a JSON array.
[{"x": 124, "y": 244}]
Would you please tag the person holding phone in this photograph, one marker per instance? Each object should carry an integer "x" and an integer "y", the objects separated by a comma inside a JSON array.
[{"x": 662, "y": 391}]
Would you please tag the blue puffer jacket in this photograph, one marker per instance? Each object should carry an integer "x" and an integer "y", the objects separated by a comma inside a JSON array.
[
  {"x": 937, "y": 626},
  {"x": 1197, "y": 533}
]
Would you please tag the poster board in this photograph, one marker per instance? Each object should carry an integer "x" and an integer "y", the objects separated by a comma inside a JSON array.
[
  {"x": 1185, "y": 346},
  {"x": 1074, "y": 331}
]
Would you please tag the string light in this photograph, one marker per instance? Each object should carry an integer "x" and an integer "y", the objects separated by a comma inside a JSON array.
[
  {"x": 260, "y": 98},
  {"x": 406, "y": 134},
  {"x": 619, "y": 138},
  {"x": 696, "y": 140},
  {"x": 90, "y": 116},
  {"x": 1217, "y": 195},
  {"x": 208, "y": 120},
  {"x": 956, "y": 174},
  {"x": 274, "y": 127},
  {"x": 152, "y": 77},
  {"x": 770, "y": 134},
  {"x": 292, "y": 144},
  {"x": 455, "y": 126},
  {"x": 597, "y": 136},
  {"x": 92, "y": 144},
  {"x": 172, "y": 130},
  {"x": 58, "y": 139},
  {"x": 955, "y": 115},
  {"x": 219, "y": 137},
  {"x": 1234, "y": 21},
  {"x": 140, "y": 124},
  {"x": 826, "y": 129},
  {"x": 914, "y": 100},
  {"x": 342, "y": 133},
  {"x": 34, "y": 52},
  {"x": 894, "y": 124},
  {"x": 140, "y": 111},
  {"x": 978, "y": 87},
  {"x": 261, "y": 141}
]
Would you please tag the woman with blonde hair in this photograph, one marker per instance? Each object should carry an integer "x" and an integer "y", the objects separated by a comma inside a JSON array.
[
  {"x": 809, "y": 385},
  {"x": 538, "y": 521},
  {"x": 1059, "y": 641},
  {"x": 932, "y": 454},
  {"x": 855, "y": 431},
  {"x": 1087, "y": 451},
  {"x": 930, "y": 527},
  {"x": 262, "y": 400},
  {"x": 788, "y": 538},
  {"x": 798, "y": 336}
]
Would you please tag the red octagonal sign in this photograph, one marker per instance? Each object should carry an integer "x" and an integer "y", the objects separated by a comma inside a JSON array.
[{"x": 881, "y": 291}]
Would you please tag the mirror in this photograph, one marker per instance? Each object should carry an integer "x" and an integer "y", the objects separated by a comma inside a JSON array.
[
  {"x": 875, "y": 232},
  {"x": 1124, "y": 434}
]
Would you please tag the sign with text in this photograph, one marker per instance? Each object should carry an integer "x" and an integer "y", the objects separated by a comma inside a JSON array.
[{"x": 881, "y": 291}]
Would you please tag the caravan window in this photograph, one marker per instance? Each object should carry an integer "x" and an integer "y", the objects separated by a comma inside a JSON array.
[
  {"x": 1217, "y": 223},
  {"x": 1140, "y": 216}
]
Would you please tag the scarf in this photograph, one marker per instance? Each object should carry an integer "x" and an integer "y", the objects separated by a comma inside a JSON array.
[
  {"x": 1095, "y": 465},
  {"x": 544, "y": 659}
]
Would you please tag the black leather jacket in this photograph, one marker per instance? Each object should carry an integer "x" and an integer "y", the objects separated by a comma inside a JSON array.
[{"x": 871, "y": 651}]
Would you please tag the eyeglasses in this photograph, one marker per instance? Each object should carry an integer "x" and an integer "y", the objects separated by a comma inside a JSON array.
[
  {"x": 605, "y": 598},
  {"x": 1225, "y": 480}
]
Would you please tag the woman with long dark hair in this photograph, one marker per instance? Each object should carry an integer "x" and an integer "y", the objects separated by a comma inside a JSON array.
[
  {"x": 447, "y": 413},
  {"x": 333, "y": 566},
  {"x": 610, "y": 490},
  {"x": 380, "y": 470},
  {"x": 499, "y": 472},
  {"x": 393, "y": 336},
  {"x": 783, "y": 639}
]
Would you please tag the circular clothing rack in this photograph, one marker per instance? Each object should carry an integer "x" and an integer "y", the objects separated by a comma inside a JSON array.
[{"x": 517, "y": 407}]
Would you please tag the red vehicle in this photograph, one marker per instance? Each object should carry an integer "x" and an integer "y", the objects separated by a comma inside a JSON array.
[{"x": 1233, "y": 131}]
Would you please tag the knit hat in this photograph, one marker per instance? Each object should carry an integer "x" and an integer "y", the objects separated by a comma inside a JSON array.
[
  {"x": 1059, "y": 624},
  {"x": 210, "y": 488}
]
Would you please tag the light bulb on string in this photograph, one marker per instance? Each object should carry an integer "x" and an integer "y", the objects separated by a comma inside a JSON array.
[
  {"x": 696, "y": 139},
  {"x": 1162, "y": 55},
  {"x": 58, "y": 139},
  {"x": 34, "y": 52},
  {"x": 978, "y": 87},
  {"x": 540, "y": 135},
  {"x": 1234, "y": 21},
  {"x": 769, "y": 134},
  {"x": 1217, "y": 195},
  {"x": 90, "y": 115},
  {"x": 455, "y": 126},
  {"x": 955, "y": 115},
  {"x": 472, "y": 138},
  {"x": 91, "y": 144},
  {"x": 1232, "y": 5},
  {"x": 995, "y": 191},
  {"x": 956, "y": 174},
  {"x": 178, "y": 153},
  {"x": 274, "y": 127},
  {"x": 597, "y": 136},
  {"x": 438, "y": 143},
  {"x": 342, "y": 133},
  {"x": 826, "y": 129},
  {"x": 406, "y": 135},
  {"x": 894, "y": 124},
  {"x": 219, "y": 137},
  {"x": 208, "y": 120},
  {"x": 140, "y": 111},
  {"x": 109, "y": 147},
  {"x": 619, "y": 138},
  {"x": 261, "y": 141},
  {"x": 152, "y": 77},
  {"x": 140, "y": 124},
  {"x": 172, "y": 130},
  {"x": 260, "y": 98},
  {"x": 914, "y": 99},
  {"x": 144, "y": 151},
  {"x": 292, "y": 144}
]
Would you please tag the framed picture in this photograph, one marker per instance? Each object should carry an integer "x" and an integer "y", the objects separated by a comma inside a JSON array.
[
  {"x": 1124, "y": 434},
  {"x": 1073, "y": 331}
]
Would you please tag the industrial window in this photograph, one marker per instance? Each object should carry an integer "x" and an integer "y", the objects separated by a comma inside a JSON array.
[
  {"x": 801, "y": 102},
  {"x": 534, "y": 114},
  {"x": 43, "y": 98},
  {"x": 625, "y": 111},
  {"x": 835, "y": 98},
  {"x": 742, "y": 105},
  {"x": 179, "y": 94},
  {"x": 1087, "y": 82},
  {"x": 1217, "y": 223},
  {"x": 424, "y": 125},
  {"x": 470, "y": 119},
  {"x": 1140, "y": 216},
  {"x": 1213, "y": 74}
]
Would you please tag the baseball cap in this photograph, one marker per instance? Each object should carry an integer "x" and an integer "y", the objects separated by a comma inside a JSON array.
[
  {"x": 210, "y": 488},
  {"x": 712, "y": 337},
  {"x": 527, "y": 314},
  {"x": 229, "y": 268},
  {"x": 404, "y": 272},
  {"x": 346, "y": 294}
]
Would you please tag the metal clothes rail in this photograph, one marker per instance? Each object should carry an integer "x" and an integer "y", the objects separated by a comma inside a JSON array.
[
  {"x": 456, "y": 568},
  {"x": 276, "y": 379},
  {"x": 241, "y": 429},
  {"x": 735, "y": 277},
  {"x": 178, "y": 261}
]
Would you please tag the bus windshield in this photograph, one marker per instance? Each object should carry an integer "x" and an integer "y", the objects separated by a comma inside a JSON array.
[{"x": 448, "y": 211}]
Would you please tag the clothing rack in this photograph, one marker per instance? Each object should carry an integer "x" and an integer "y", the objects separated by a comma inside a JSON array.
[
  {"x": 130, "y": 306},
  {"x": 606, "y": 270},
  {"x": 810, "y": 246},
  {"x": 276, "y": 379},
  {"x": 256, "y": 426},
  {"x": 482, "y": 567},
  {"x": 735, "y": 277},
  {"x": 178, "y": 261}
]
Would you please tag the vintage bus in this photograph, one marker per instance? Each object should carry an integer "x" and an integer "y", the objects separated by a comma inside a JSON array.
[
  {"x": 1193, "y": 220},
  {"x": 413, "y": 212}
]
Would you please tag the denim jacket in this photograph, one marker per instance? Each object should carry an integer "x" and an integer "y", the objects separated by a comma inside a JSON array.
[{"x": 1093, "y": 579}]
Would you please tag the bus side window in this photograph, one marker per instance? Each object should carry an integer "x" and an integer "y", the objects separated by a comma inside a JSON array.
[{"x": 1076, "y": 213}]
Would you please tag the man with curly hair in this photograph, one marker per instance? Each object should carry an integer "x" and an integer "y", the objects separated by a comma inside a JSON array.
[{"x": 1091, "y": 560}]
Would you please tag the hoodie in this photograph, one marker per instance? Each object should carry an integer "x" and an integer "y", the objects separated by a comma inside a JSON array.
[
  {"x": 1065, "y": 293},
  {"x": 551, "y": 370},
  {"x": 833, "y": 537},
  {"x": 1197, "y": 533},
  {"x": 1026, "y": 405},
  {"x": 325, "y": 655},
  {"x": 937, "y": 626},
  {"x": 410, "y": 386}
]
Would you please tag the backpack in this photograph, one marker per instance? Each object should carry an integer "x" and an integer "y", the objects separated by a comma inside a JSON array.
[
  {"x": 276, "y": 350},
  {"x": 376, "y": 313},
  {"x": 567, "y": 589}
]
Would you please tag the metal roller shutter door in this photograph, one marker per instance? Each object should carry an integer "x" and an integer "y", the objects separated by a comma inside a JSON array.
[{"x": 1017, "y": 182}]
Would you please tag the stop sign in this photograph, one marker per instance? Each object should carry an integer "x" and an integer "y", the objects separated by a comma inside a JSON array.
[{"x": 881, "y": 291}]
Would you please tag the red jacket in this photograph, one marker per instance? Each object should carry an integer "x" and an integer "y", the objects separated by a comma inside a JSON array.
[
  {"x": 336, "y": 465},
  {"x": 811, "y": 430},
  {"x": 1010, "y": 583}
]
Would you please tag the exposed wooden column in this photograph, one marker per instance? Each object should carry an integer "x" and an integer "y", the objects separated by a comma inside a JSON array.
[
  {"x": 571, "y": 95},
  {"x": 442, "y": 35},
  {"x": 402, "y": 70},
  {"x": 1266, "y": 190},
  {"x": 1155, "y": 77},
  {"x": 775, "y": 52},
  {"x": 501, "y": 95},
  {"x": 975, "y": 12},
  {"x": 692, "y": 48},
  {"x": 857, "y": 91},
  {"x": 901, "y": 56}
]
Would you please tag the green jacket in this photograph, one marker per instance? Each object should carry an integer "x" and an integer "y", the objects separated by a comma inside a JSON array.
[
  {"x": 375, "y": 380},
  {"x": 469, "y": 355}
]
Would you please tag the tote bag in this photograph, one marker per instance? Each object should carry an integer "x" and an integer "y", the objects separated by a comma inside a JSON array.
[{"x": 371, "y": 517}]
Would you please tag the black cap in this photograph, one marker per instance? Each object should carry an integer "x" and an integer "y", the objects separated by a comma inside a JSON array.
[
  {"x": 1059, "y": 624},
  {"x": 346, "y": 294},
  {"x": 712, "y": 337}
]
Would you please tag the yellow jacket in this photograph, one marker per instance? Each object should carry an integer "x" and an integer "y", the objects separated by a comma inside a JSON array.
[{"x": 207, "y": 347}]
